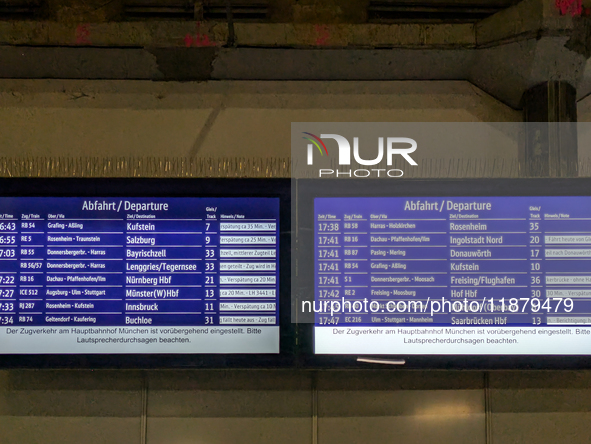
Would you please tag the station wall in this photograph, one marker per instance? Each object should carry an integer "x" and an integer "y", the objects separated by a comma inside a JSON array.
[{"x": 252, "y": 119}]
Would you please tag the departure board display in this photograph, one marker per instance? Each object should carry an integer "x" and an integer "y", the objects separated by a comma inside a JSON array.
[
  {"x": 139, "y": 275},
  {"x": 505, "y": 275}
]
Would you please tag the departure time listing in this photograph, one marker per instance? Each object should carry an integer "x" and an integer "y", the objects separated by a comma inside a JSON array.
[
  {"x": 452, "y": 263},
  {"x": 101, "y": 269}
]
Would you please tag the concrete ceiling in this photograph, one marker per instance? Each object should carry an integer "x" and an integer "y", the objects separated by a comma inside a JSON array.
[{"x": 504, "y": 54}]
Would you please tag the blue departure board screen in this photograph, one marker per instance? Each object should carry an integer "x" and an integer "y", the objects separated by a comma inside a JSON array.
[
  {"x": 452, "y": 275},
  {"x": 139, "y": 275}
]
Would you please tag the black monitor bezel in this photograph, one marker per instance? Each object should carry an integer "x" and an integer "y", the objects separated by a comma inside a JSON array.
[
  {"x": 156, "y": 187},
  {"x": 308, "y": 189}
]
